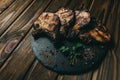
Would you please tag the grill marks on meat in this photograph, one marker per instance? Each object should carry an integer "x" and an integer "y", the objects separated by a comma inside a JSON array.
[
  {"x": 85, "y": 37},
  {"x": 85, "y": 28},
  {"x": 66, "y": 18},
  {"x": 82, "y": 19},
  {"x": 49, "y": 23},
  {"x": 98, "y": 34}
]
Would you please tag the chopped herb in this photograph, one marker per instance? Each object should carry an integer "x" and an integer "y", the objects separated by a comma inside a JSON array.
[
  {"x": 64, "y": 49},
  {"x": 72, "y": 52},
  {"x": 73, "y": 48},
  {"x": 78, "y": 45}
]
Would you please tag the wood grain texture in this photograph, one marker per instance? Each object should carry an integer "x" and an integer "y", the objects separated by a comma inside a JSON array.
[
  {"x": 21, "y": 54},
  {"x": 5, "y": 4},
  {"x": 19, "y": 28},
  {"x": 108, "y": 14},
  {"x": 12, "y": 13},
  {"x": 86, "y": 76},
  {"x": 16, "y": 57},
  {"x": 17, "y": 64},
  {"x": 39, "y": 72}
]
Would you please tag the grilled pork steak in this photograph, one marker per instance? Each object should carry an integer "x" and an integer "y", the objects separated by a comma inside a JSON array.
[
  {"x": 98, "y": 33},
  {"x": 85, "y": 28},
  {"x": 82, "y": 19},
  {"x": 49, "y": 23},
  {"x": 66, "y": 18}
]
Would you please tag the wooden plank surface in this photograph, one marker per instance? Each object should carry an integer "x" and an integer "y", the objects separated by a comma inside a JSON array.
[
  {"x": 5, "y": 4},
  {"x": 38, "y": 72},
  {"x": 13, "y": 69},
  {"x": 22, "y": 29},
  {"x": 10, "y": 14},
  {"x": 17, "y": 61},
  {"x": 108, "y": 13},
  {"x": 19, "y": 29}
]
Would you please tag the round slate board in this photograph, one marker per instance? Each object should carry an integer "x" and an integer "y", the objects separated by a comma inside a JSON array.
[{"x": 59, "y": 63}]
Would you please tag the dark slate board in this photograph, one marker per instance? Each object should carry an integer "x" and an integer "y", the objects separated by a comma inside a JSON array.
[{"x": 59, "y": 63}]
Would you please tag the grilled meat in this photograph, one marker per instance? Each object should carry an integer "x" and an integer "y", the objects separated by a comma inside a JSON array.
[
  {"x": 66, "y": 18},
  {"x": 85, "y": 28},
  {"x": 98, "y": 34},
  {"x": 82, "y": 19},
  {"x": 49, "y": 23}
]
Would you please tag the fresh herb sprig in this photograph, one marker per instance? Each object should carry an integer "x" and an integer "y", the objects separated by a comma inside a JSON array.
[{"x": 72, "y": 52}]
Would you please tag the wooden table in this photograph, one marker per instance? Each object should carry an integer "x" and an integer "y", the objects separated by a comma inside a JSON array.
[{"x": 17, "y": 61}]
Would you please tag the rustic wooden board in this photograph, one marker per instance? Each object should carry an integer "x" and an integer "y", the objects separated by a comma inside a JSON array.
[
  {"x": 18, "y": 30},
  {"x": 22, "y": 53},
  {"x": 12, "y": 13},
  {"x": 14, "y": 31},
  {"x": 108, "y": 13},
  {"x": 5, "y": 4},
  {"x": 17, "y": 64},
  {"x": 39, "y": 72}
]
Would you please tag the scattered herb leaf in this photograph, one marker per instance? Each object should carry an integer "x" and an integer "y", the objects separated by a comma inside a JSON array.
[
  {"x": 64, "y": 49},
  {"x": 78, "y": 45},
  {"x": 72, "y": 52}
]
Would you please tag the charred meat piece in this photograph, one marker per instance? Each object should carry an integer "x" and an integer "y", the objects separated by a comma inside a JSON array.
[
  {"x": 49, "y": 23},
  {"x": 98, "y": 34},
  {"x": 82, "y": 19},
  {"x": 85, "y": 37},
  {"x": 66, "y": 18},
  {"x": 59, "y": 26}
]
